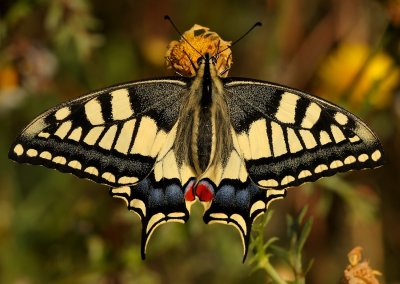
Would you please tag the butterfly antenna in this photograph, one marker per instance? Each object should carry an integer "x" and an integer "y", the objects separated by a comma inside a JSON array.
[
  {"x": 167, "y": 18},
  {"x": 258, "y": 24}
]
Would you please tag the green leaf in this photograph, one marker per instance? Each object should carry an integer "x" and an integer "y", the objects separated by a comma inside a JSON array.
[{"x": 304, "y": 233}]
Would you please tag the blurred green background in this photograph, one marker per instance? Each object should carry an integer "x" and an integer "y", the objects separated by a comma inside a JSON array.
[{"x": 56, "y": 228}]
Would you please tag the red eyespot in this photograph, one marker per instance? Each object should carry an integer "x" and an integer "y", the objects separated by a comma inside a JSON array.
[
  {"x": 189, "y": 192},
  {"x": 205, "y": 192}
]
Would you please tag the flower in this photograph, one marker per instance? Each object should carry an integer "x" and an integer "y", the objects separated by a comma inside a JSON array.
[
  {"x": 182, "y": 56},
  {"x": 359, "y": 272},
  {"x": 355, "y": 74}
]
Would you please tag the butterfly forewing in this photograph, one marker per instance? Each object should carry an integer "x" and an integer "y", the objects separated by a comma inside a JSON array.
[
  {"x": 112, "y": 136},
  {"x": 288, "y": 137}
]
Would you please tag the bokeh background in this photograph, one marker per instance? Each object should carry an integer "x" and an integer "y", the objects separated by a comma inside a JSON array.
[{"x": 56, "y": 228}]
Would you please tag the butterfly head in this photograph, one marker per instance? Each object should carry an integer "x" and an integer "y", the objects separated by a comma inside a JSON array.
[{"x": 198, "y": 45}]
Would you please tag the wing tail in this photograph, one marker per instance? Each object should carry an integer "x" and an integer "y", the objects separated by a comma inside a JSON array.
[
  {"x": 156, "y": 203},
  {"x": 238, "y": 204}
]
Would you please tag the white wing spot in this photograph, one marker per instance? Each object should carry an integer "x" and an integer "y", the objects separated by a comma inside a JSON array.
[
  {"x": 258, "y": 139},
  {"x": 363, "y": 157},
  {"x": 44, "y": 135},
  {"x": 276, "y": 193},
  {"x": 304, "y": 174},
  {"x": 63, "y": 130},
  {"x": 353, "y": 139},
  {"x": 240, "y": 221},
  {"x": 287, "y": 179},
  {"x": 176, "y": 215},
  {"x": 18, "y": 150},
  {"x": 337, "y": 134},
  {"x": 60, "y": 160},
  {"x": 125, "y": 137},
  {"x": 76, "y": 134},
  {"x": 62, "y": 113},
  {"x": 170, "y": 167},
  {"x": 268, "y": 183},
  {"x": 311, "y": 116},
  {"x": 138, "y": 204},
  {"x": 75, "y": 165},
  {"x": 158, "y": 170},
  {"x": 287, "y": 108},
  {"x": 219, "y": 215},
  {"x": 124, "y": 199},
  {"x": 122, "y": 190},
  {"x": 93, "y": 135},
  {"x": 324, "y": 138},
  {"x": 92, "y": 171},
  {"x": 278, "y": 140},
  {"x": 308, "y": 138},
  {"x": 350, "y": 160},
  {"x": 244, "y": 144},
  {"x": 376, "y": 155},
  {"x": 321, "y": 168},
  {"x": 293, "y": 141},
  {"x": 145, "y": 137},
  {"x": 232, "y": 168},
  {"x": 154, "y": 220},
  {"x": 45, "y": 155},
  {"x": 336, "y": 164},
  {"x": 259, "y": 205},
  {"x": 127, "y": 180},
  {"x": 161, "y": 137},
  {"x": 120, "y": 104},
  {"x": 32, "y": 153},
  {"x": 108, "y": 176},
  {"x": 341, "y": 118},
  {"x": 108, "y": 138},
  {"x": 93, "y": 112}
]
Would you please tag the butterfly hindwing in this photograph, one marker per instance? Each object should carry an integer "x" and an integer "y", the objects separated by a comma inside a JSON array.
[
  {"x": 238, "y": 204},
  {"x": 288, "y": 137},
  {"x": 229, "y": 195},
  {"x": 112, "y": 136},
  {"x": 156, "y": 203},
  {"x": 160, "y": 197}
]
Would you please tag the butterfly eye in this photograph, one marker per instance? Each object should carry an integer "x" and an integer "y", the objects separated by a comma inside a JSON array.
[{"x": 200, "y": 60}]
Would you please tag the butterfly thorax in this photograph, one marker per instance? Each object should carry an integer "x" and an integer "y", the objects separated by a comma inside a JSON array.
[{"x": 203, "y": 136}]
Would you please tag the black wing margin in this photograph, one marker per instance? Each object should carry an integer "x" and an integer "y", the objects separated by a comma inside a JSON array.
[
  {"x": 111, "y": 136},
  {"x": 288, "y": 137}
]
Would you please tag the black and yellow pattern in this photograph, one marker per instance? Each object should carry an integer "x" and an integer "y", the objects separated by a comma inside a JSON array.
[{"x": 233, "y": 144}]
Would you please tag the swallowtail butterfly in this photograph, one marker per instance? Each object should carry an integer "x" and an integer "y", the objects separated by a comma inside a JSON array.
[{"x": 233, "y": 144}]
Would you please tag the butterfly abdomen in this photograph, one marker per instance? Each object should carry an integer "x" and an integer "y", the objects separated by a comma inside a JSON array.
[{"x": 204, "y": 138}]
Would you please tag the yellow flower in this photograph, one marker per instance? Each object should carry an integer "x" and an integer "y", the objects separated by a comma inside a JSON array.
[
  {"x": 356, "y": 75},
  {"x": 182, "y": 55}
]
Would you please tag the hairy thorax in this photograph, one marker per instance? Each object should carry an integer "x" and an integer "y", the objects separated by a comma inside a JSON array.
[{"x": 204, "y": 133}]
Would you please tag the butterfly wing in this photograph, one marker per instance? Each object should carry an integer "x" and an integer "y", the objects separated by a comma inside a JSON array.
[
  {"x": 288, "y": 137},
  {"x": 235, "y": 199},
  {"x": 122, "y": 137},
  {"x": 160, "y": 197},
  {"x": 281, "y": 138}
]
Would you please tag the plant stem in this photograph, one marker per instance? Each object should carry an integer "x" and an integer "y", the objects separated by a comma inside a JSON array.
[{"x": 266, "y": 265}]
